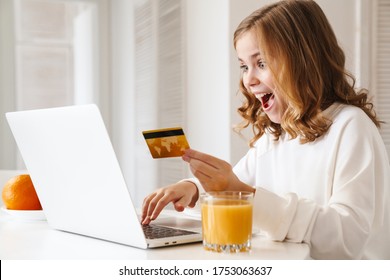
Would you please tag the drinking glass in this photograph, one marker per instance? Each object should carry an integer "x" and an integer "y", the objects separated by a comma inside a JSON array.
[{"x": 227, "y": 221}]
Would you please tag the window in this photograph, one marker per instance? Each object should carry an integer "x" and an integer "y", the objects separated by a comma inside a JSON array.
[
  {"x": 50, "y": 57},
  {"x": 54, "y": 49}
]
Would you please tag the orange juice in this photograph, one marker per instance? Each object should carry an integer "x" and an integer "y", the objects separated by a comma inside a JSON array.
[{"x": 227, "y": 223}]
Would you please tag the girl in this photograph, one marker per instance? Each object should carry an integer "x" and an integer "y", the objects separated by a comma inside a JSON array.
[{"x": 316, "y": 163}]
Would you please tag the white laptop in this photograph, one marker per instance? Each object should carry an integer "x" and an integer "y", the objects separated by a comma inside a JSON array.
[{"x": 70, "y": 158}]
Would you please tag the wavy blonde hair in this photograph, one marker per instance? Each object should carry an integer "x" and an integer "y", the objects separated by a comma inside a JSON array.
[{"x": 308, "y": 68}]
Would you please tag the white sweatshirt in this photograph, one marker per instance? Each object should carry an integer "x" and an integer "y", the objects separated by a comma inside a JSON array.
[{"x": 333, "y": 193}]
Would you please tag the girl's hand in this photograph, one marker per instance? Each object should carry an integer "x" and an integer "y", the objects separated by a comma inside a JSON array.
[
  {"x": 214, "y": 174},
  {"x": 181, "y": 194}
]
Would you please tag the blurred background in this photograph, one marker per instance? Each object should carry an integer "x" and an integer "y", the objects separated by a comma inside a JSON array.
[{"x": 159, "y": 63}]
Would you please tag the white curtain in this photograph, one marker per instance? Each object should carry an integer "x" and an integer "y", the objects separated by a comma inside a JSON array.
[{"x": 381, "y": 69}]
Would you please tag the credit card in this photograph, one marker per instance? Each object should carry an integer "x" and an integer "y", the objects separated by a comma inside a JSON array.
[{"x": 166, "y": 142}]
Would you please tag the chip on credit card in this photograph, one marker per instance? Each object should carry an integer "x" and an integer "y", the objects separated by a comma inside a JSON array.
[{"x": 166, "y": 142}]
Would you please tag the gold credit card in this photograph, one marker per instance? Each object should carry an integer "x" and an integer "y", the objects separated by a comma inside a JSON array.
[{"x": 166, "y": 142}]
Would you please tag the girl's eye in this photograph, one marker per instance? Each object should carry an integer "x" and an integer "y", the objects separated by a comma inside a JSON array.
[
  {"x": 261, "y": 64},
  {"x": 244, "y": 68}
]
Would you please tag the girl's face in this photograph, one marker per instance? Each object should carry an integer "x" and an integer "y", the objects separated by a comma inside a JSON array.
[{"x": 257, "y": 77}]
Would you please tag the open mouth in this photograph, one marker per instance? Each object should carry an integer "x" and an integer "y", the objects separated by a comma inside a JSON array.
[{"x": 266, "y": 100}]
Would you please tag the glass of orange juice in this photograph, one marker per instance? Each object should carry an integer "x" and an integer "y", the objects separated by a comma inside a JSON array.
[{"x": 227, "y": 221}]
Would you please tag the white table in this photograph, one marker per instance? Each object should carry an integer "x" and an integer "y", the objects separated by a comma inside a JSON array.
[{"x": 20, "y": 239}]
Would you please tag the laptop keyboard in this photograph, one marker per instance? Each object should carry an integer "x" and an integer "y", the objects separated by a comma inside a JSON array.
[{"x": 155, "y": 231}]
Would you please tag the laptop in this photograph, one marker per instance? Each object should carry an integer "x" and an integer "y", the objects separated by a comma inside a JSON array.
[{"x": 71, "y": 161}]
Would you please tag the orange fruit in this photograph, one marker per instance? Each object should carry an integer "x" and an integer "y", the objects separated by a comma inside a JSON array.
[{"x": 19, "y": 194}]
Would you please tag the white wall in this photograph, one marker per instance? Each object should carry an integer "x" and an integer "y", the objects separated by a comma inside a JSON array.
[
  {"x": 208, "y": 76},
  {"x": 122, "y": 110},
  {"x": 343, "y": 16}
]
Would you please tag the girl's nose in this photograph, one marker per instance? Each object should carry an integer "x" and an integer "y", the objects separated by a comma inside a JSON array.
[{"x": 252, "y": 79}]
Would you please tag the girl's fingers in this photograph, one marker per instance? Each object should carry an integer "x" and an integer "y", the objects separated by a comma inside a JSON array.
[
  {"x": 145, "y": 205},
  {"x": 150, "y": 207},
  {"x": 210, "y": 160}
]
